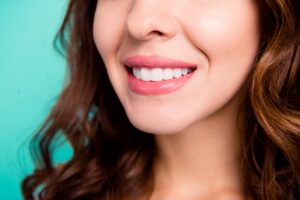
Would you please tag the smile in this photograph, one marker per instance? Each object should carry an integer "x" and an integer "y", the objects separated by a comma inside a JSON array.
[
  {"x": 159, "y": 74},
  {"x": 153, "y": 75}
]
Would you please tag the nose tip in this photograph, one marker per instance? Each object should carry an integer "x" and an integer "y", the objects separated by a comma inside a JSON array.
[{"x": 145, "y": 23}]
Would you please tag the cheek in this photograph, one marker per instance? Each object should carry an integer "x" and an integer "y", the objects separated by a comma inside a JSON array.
[
  {"x": 227, "y": 33},
  {"x": 230, "y": 39},
  {"x": 108, "y": 30}
]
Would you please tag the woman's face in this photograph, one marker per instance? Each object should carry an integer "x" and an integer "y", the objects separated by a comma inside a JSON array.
[{"x": 215, "y": 41}]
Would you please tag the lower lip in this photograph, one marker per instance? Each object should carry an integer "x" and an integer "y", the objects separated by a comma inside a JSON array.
[{"x": 156, "y": 87}]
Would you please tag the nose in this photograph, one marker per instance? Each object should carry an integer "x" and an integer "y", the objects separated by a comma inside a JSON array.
[{"x": 148, "y": 19}]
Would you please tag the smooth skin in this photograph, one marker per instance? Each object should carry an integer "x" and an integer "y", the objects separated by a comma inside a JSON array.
[{"x": 196, "y": 126}]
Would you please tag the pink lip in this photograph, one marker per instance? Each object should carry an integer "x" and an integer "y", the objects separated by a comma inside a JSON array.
[
  {"x": 156, "y": 61},
  {"x": 156, "y": 87}
]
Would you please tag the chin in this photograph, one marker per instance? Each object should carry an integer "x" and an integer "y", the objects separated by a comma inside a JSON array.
[
  {"x": 158, "y": 129},
  {"x": 163, "y": 125}
]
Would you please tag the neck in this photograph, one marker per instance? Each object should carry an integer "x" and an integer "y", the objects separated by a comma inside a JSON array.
[{"x": 204, "y": 157}]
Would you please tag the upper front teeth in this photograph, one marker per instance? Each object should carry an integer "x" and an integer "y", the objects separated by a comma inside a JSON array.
[{"x": 159, "y": 74}]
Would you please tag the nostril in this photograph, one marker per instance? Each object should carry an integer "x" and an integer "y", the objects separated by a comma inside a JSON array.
[{"x": 157, "y": 33}]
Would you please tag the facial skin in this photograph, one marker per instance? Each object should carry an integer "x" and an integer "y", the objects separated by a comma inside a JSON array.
[
  {"x": 221, "y": 37},
  {"x": 195, "y": 127}
]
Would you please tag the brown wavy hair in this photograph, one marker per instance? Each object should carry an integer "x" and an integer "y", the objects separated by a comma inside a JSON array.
[{"x": 113, "y": 160}]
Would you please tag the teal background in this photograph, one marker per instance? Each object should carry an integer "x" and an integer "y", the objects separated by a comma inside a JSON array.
[{"x": 31, "y": 78}]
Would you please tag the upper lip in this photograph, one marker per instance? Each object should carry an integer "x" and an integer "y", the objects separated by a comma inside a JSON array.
[{"x": 156, "y": 61}]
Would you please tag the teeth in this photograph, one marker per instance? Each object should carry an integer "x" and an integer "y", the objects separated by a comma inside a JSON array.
[
  {"x": 159, "y": 74},
  {"x": 145, "y": 74},
  {"x": 168, "y": 74},
  {"x": 177, "y": 73},
  {"x": 184, "y": 71},
  {"x": 137, "y": 73}
]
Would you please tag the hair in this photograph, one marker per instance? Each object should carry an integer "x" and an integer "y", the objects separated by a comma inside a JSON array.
[{"x": 114, "y": 160}]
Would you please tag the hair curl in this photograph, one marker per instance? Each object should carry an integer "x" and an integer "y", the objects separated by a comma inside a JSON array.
[{"x": 113, "y": 160}]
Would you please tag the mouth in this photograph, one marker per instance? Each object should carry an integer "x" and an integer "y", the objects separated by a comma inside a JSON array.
[
  {"x": 157, "y": 75},
  {"x": 156, "y": 68}
]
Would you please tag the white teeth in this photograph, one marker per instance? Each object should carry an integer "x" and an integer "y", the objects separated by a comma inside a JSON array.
[
  {"x": 177, "y": 73},
  {"x": 159, "y": 74},
  {"x": 184, "y": 71},
  {"x": 145, "y": 74},
  {"x": 137, "y": 73},
  {"x": 168, "y": 74}
]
